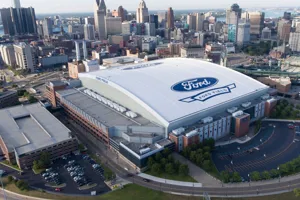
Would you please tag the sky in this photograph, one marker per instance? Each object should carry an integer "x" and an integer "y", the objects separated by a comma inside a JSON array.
[{"x": 74, "y": 6}]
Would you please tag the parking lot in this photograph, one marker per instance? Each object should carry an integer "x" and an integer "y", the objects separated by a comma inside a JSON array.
[
  {"x": 82, "y": 174},
  {"x": 276, "y": 144}
]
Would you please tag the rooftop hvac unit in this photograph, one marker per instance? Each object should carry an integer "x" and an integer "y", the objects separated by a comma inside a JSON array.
[
  {"x": 144, "y": 151},
  {"x": 116, "y": 107},
  {"x": 237, "y": 114},
  {"x": 133, "y": 115},
  {"x": 271, "y": 100},
  {"x": 86, "y": 91},
  {"x": 178, "y": 131},
  {"x": 207, "y": 120},
  {"x": 104, "y": 100},
  {"x": 192, "y": 133},
  {"x": 99, "y": 98},
  {"x": 128, "y": 114},
  {"x": 246, "y": 105},
  {"x": 265, "y": 97},
  {"x": 122, "y": 109},
  {"x": 232, "y": 110}
]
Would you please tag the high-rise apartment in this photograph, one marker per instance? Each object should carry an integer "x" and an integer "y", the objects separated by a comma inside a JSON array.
[
  {"x": 170, "y": 18},
  {"x": 284, "y": 30},
  {"x": 8, "y": 54},
  {"x": 99, "y": 15},
  {"x": 47, "y": 27},
  {"x": 191, "y": 21},
  {"x": 243, "y": 36},
  {"x": 16, "y": 4},
  {"x": 153, "y": 18},
  {"x": 142, "y": 14},
  {"x": 256, "y": 20},
  {"x": 232, "y": 18},
  {"x": 24, "y": 57},
  {"x": 294, "y": 41},
  {"x": 199, "y": 21},
  {"x": 113, "y": 25}
]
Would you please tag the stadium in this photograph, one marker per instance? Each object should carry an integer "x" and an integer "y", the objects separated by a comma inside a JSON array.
[{"x": 175, "y": 101}]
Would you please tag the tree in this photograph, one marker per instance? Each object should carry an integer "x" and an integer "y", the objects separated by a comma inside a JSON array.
[
  {"x": 170, "y": 158},
  {"x": 10, "y": 179},
  {"x": 32, "y": 99},
  {"x": 297, "y": 192},
  {"x": 265, "y": 175},
  {"x": 225, "y": 176},
  {"x": 176, "y": 165},
  {"x": 211, "y": 143},
  {"x": 206, "y": 156},
  {"x": 193, "y": 156},
  {"x": 207, "y": 149},
  {"x": 255, "y": 176},
  {"x": 45, "y": 159},
  {"x": 236, "y": 177},
  {"x": 163, "y": 161},
  {"x": 170, "y": 168},
  {"x": 274, "y": 173},
  {"x": 186, "y": 152},
  {"x": 156, "y": 168},
  {"x": 183, "y": 170},
  {"x": 36, "y": 165},
  {"x": 22, "y": 185},
  {"x": 199, "y": 159},
  {"x": 158, "y": 157},
  {"x": 284, "y": 169},
  {"x": 206, "y": 165},
  {"x": 200, "y": 151},
  {"x": 150, "y": 162},
  {"x": 166, "y": 152}
]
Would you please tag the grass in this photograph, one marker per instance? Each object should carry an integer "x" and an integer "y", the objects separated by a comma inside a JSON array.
[
  {"x": 6, "y": 163},
  {"x": 38, "y": 171},
  {"x": 175, "y": 177},
  {"x": 133, "y": 191}
]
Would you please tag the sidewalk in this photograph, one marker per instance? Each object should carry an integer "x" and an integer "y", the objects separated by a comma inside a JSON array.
[{"x": 197, "y": 173}]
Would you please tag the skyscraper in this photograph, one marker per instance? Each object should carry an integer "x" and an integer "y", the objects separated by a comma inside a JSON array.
[
  {"x": 232, "y": 18},
  {"x": 284, "y": 30},
  {"x": 256, "y": 20},
  {"x": 243, "y": 36},
  {"x": 99, "y": 14},
  {"x": 170, "y": 18},
  {"x": 18, "y": 21},
  {"x": 199, "y": 21},
  {"x": 294, "y": 41},
  {"x": 47, "y": 27},
  {"x": 16, "y": 4},
  {"x": 89, "y": 32},
  {"x": 142, "y": 14},
  {"x": 24, "y": 57},
  {"x": 121, "y": 13},
  {"x": 154, "y": 19},
  {"x": 191, "y": 21},
  {"x": 162, "y": 18}
]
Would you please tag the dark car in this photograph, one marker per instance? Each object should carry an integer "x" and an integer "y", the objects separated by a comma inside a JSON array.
[{"x": 146, "y": 180}]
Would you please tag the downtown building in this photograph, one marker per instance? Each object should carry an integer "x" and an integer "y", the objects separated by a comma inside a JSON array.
[
  {"x": 294, "y": 42},
  {"x": 18, "y": 21},
  {"x": 89, "y": 32},
  {"x": 118, "y": 108},
  {"x": 25, "y": 59},
  {"x": 256, "y": 20},
  {"x": 232, "y": 18},
  {"x": 99, "y": 15},
  {"x": 142, "y": 13}
]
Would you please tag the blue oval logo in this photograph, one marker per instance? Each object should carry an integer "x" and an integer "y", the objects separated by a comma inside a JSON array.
[{"x": 194, "y": 84}]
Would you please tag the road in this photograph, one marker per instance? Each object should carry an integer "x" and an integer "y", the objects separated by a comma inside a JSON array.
[{"x": 233, "y": 190}]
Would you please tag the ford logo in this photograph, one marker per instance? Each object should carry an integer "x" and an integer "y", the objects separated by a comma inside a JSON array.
[{"x": 194, "y": 84}]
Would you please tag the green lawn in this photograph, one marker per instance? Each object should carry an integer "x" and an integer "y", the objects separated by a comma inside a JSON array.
[
  {"x": 6, "y": 163},
  {"x": 175, "y": 177},
  {"x": 38, "y": 171}
]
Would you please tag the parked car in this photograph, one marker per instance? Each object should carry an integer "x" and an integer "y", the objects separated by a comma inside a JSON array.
[{"x": 57, "y": 189}]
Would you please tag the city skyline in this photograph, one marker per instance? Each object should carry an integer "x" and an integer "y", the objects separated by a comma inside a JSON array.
[{"x": 87, "y": 6}]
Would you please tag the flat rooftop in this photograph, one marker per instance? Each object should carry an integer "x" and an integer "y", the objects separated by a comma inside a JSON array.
[
  {"x": 101, "y": 112},
  {"x": 27, "y": 128}
]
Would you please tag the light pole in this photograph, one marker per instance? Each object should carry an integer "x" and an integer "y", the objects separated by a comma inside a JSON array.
[
  {"x": 1, "y": 173},
  {"x": 249, "y": 179},
  {"x": 279, "y": 174}
]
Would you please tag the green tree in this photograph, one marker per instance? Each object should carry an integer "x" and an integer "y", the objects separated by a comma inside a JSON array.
[
  {"x": 22, "y": 185},
  {"x": 236, "y": 177},
  {"x": 284, "y": 169},
  {"x": 207, "y": 149},
  {"x": 45, "y": 159},
  {"x": 265, "y": 175},
  {"x": 170, "y": 158},
  {"x": 183, "y": 170},
  {"x": 206, "y": 165},
  {"x": 297, "y": 192},
  {"x": 200, "y": 151},
  {"x": 186, "y": 152},
  {"x": 156, "y": 168},
  {"x": 32, "y": 99},
  {"x": 206, "y": 156},
  {"x": 150, "y": 162},
  {"x": 225, "y": 176},
  {"x": 274, "y": 173},
  {"x": 158, "y": 157},
  {"x": 255, "y": 176},
  {"x": 36, "y": 165},
  {"x": 166, "y": 152},
  {"x": 10, "y": 179},
  {"x": 193, "y": 156},
  {"x": 163, "y": 161},
  {"x": 199, "y": 159},
  {"x": 170, "y": 168},
  {"x": 177, "y": 165},
  {"x": 211, "y": 143}
]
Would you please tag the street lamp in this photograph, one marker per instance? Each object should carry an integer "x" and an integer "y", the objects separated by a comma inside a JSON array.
[
  {"x": 279, "y": 174},
  {"x": 249, "y": 179},
  {"x": 1, "y": 173}
]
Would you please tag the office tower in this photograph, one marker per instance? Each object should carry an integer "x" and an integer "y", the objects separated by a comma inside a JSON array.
[
  {"x": 47, "y": 27},
  {"x": 89, "y": 32},
  {"x": 170, "y": 18},
  {"x": 243, "y": 36},
  {"x": 113, "y": 25},
  {"x": 24, "y": 57},
  {"x": 89, "y": 20},
  {"x": 76, "y": 28},
  {"x": 77, "y": 47},
  {"x": 218, "y": 27},
  {"x": 191, "y": 21},
  {"x": 199, "y": 21},
  {"x": 142, "y": 14},
  {"x": 154, "y": 19},
  {"x": 294, "y": 41},
  {"x": 100, "y": 13},
  {"x": 205, "y": 25},
  {"x": 284, "y": 30},
  {"x": 18, "y": 21},
  {"x": 232, "y": 17},
  {"x": 16, "y": 4},
  {"x": 150, "y": 29},
  {"x": 121, "y": 13},
  {"x": 266, "y": 34},
  {"x": 85, "y": 52},
  {"x": 287, "y": 15},
  {"x": 256, "y": 20},
  {"x": 162, "y": 19}
]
